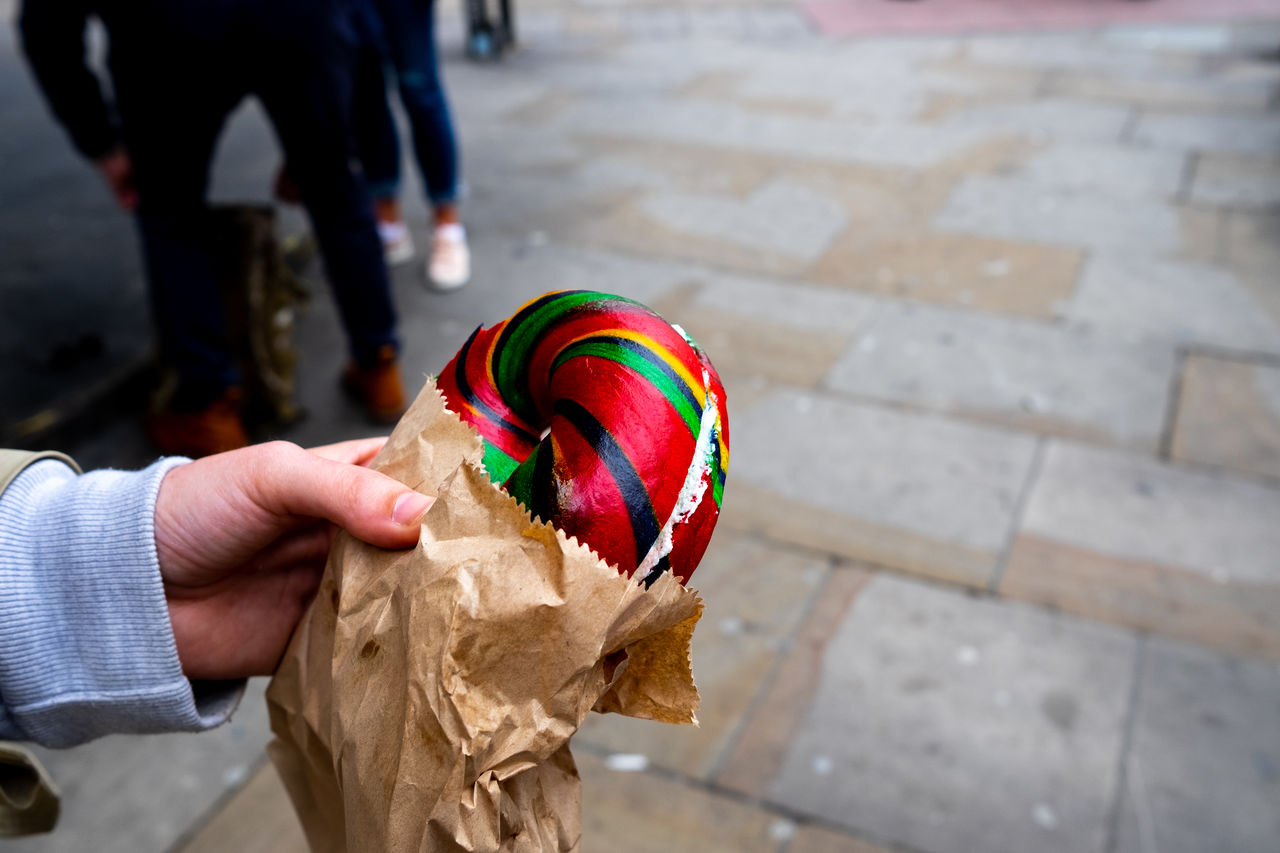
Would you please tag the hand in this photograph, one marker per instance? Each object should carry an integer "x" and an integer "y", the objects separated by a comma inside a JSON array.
[
  {"x": 242, "y": 538},
  {"x": 117, "y": 170}
]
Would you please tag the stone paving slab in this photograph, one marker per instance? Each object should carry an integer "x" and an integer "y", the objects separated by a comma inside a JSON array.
[
  {"x": 1047, "y": 118},
  {"x": 864, "y": 80},
  {"x": 693, "y": 168},
  {"x": 517, "y": 268},
  {"x": 1072, "y": 50},
  {"x": 640, "y": 812},
  {"x": 1249, "y": 246},
  {"x": 1172, "y": 91},
  {"x": 1237, "y": 180},
  {"x": 796, "y": 307},
  {"x": 1045, "y": 377},
  {"x": 1023, "y": 210},
  {"x": 1203, "y": 771},
  {"x": 946, "y": 722},
  {"x": 730, "y": 126},
  {"x": 694, "y": 228},
  {"x": 810, "y": 839},
  {"x": 1125, "y": 538},
  {"x": 960, "y": 73},
  {"x": 766, "y": 329},
  {"x": 617, "y": 73},
  {"x": 756, "y": 595},
  {"x": 258, "y": 818},
  {"x": 1259, "y": 283},
  {"x": 991, "y": 275},
  {"x": 1207, "y": 37},
  {"x": 1185, "y": 131},
  {"x": 1250, "y": 240},
  {"x": 1116, "y": 501},
  {"x": 1108, "y": 170},
  {"x": 1229, "y": 415},
  {"x": 762, "y": 744},
  {"x": 911, "y": 491},
  {"x": 1176, "y": 302},
  {"x": 1203, "y": 228},
  {"x": 780, "y": 217}
]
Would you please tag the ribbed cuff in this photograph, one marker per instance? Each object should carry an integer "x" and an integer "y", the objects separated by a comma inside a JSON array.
[{"x": 88, "y": 649}]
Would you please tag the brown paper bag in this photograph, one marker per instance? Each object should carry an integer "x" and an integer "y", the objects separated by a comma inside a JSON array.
[{"x": 427, "y": 699}]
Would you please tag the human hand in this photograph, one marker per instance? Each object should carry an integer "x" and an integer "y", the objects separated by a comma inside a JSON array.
[
  {"x": 117, "y": 170},
  {"x": 242, "y": 538}
]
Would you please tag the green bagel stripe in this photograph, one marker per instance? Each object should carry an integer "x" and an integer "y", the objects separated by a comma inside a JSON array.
[{"x": 674, "y": 391}]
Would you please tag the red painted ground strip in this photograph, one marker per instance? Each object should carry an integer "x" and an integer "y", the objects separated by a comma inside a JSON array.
[{"x": 881, "y": 17}]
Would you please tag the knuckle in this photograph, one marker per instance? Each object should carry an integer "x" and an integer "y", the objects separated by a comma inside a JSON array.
[{"x": 278, "y": 452}]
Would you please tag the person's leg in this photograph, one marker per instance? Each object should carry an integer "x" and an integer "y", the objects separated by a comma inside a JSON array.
[
  {"x": 171, "y": 146},
  {"x": 169, "y": 133},
  {"x": 304, "y": 82},
  {"x": 410, "y": 36},
  {"x": 409, "y": 26},
  {"x": 377, "y": 139}
]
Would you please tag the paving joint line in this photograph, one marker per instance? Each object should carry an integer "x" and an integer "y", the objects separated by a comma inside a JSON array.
[
  {"x": 1243, "y": 356},
  {"x": 832, "y": 565},
  {"x": 1221, "y": 232},
  {"x": 1130, "y": 126},
  {"x": 1048, "y": 82},
  {"x": 987, "y": 594},
  {"x": 964, "y": 418},
  {"x": 778, "y": 810},
  {"x": 1138, "y": 676},
  {"x": 1271, "y": 481},
  {"x": 1173, "y": 402},
  {"x": 1018, "y": 514},
  {"x": 206, "y": 817},
  {"x": 1190, "y": 171}
]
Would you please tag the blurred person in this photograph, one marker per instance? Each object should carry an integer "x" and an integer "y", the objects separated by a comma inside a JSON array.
[
  {"x": 139, "y": 601},
  {"x": 178, "y": 69},
  {"x": 403, "y": 32}
]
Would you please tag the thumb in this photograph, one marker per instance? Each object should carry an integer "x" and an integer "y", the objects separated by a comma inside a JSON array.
[{"x": 368, "y": 504}]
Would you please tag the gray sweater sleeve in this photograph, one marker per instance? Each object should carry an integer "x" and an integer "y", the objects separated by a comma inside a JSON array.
[{"x": 86, "y": 648}]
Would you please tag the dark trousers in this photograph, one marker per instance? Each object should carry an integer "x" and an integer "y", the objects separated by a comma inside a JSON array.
[
  {"x": 402, "y": 33},
  {"x": 174, "y": 91}
]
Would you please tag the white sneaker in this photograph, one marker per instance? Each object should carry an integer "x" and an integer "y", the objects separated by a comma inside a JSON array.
[
  {"x": 397, "y": 243},
  {"x": 449, "y": 266}
]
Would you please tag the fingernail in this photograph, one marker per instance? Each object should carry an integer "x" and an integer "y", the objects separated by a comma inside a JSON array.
[{"x": 410, "y": 507}]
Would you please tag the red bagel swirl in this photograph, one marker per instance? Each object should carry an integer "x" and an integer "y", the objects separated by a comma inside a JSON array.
[{"x": 603, "y": 419}]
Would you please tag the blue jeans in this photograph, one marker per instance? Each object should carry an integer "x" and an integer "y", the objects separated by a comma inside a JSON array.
[
  {"x": 403, "y": 31},
  {"x": 174, "y": 93}
]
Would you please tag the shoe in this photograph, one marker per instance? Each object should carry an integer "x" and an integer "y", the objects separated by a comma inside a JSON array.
[
  {"x": 449, "y": 266},
  {"x": 214, "y": 429},
  {"x": 377, "y": 387},
  {"x": 397, "y": 243}
]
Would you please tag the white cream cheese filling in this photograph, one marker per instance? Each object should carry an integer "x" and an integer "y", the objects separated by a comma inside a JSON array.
[{"x": 695, "y": 484}]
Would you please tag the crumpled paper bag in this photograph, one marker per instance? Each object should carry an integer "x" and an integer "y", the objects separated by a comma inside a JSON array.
[{"x": 426, "y": 701}]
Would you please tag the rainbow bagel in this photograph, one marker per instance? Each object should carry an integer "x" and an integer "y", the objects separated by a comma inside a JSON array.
[{"x": 603, "y": 419}]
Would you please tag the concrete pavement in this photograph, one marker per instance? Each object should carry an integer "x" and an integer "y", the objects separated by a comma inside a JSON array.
[{"x": 999, "y": 319}]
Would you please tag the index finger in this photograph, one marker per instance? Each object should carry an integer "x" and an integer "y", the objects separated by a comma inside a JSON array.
[{"x": 359, "y": 451}]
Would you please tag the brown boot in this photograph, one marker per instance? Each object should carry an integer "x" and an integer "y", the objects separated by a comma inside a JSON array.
[
  {"x": 377, "y": 387},
  {"x": 216, "y": 428}
]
